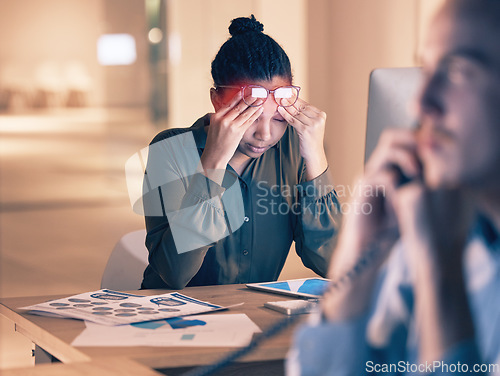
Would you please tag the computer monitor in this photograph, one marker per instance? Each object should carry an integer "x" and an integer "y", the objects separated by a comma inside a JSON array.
[{"x": 391, "y": 91}]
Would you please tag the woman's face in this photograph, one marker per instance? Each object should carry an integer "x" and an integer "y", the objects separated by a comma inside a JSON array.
[{"x": 268, "y": 129}]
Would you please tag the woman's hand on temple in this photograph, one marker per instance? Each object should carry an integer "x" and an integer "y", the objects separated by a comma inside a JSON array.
[
  {"x": 227, "y": 127},
  {"x": 309, "y": 122}
]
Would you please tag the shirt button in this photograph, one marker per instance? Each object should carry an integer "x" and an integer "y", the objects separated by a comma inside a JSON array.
[
  {"x": 246, "y": 219},
  {"x": 245, "y": 252}
]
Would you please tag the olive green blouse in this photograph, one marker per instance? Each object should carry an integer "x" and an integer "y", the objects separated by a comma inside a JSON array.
[{"x": 240, "y": 231}]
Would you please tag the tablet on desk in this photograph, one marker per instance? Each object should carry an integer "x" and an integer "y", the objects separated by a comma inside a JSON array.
[{"x": 305, "y": 287}]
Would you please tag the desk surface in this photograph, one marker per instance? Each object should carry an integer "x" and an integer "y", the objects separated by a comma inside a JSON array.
[
  {"x": 55, "y": 335},
  {"x": 98, "y": 367}
]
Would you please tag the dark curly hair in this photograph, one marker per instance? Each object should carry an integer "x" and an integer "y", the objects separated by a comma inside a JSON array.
[{"x": 249, "y": 55}]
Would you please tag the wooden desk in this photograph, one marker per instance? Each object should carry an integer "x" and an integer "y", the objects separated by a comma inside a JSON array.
[
  {"x": 98, "y": 367},
  {"x": 55, "y": 335}
]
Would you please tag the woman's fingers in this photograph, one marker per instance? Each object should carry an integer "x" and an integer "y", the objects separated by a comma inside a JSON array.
[
  {"x": 307, "y": 109},
  {"x": 248, "y": 116},
  {"x": 302, "y": 114},
  {"x": 238, "y": 112},
  {"x": 231, "y": 104},
  {"x": 292, "y": 117}
]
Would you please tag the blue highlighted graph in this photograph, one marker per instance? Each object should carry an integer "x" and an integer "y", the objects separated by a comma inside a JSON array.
[
  {"x": 175, "y": 323},
  {"x": 309, "y": 286}
]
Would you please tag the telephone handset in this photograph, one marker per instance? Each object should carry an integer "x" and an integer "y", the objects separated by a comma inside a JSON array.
[{"x": 403, "y": 178}]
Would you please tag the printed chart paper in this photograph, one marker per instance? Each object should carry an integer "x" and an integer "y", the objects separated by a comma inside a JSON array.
[
  {"x": 109, "y": 307},
  {"x": 226, "y": 330}
]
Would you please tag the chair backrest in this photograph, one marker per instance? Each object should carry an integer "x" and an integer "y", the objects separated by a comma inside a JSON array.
[
  {"x": 126, "y": 263},
  {"x": 390, "y": 95}
]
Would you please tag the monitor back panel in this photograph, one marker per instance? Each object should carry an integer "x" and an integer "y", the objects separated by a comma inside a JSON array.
[{"x": 391, "y": 92}]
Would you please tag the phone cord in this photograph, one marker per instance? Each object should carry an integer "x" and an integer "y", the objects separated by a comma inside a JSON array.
[
  {"x": 282, "y": 324},
  {"x": 224, "y": 362}
]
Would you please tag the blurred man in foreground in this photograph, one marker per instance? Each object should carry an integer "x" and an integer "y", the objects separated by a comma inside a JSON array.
[{"x": 425, "y": 297}]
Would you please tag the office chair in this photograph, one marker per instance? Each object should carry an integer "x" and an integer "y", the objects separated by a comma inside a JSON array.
[{"x": 126, "y": 263}]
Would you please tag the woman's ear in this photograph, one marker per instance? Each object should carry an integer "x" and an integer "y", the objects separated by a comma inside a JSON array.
[{"x": 216, "y": 99}]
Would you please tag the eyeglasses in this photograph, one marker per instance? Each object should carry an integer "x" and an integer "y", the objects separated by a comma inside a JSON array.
[{"x": 256, "y": 95}]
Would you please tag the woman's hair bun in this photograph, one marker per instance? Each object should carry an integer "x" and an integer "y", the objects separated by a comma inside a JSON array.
[{"x": 244, "y": 25}]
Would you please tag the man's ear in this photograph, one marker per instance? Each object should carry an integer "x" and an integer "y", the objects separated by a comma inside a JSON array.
[{"x": 216, "y": 99}]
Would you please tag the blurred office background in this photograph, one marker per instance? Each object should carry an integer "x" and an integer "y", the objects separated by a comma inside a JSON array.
[{"x": 85, "y": 84}]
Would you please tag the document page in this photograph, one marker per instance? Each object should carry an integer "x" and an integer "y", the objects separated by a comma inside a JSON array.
[
  {"x": 109, "y": 307},
  {"x": 214, "y": 330}
]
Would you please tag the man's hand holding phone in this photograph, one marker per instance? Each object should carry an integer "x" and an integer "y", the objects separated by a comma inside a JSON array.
[
  {"x": 432, "y": 223},
  {"x": 376, "y": 226}
]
